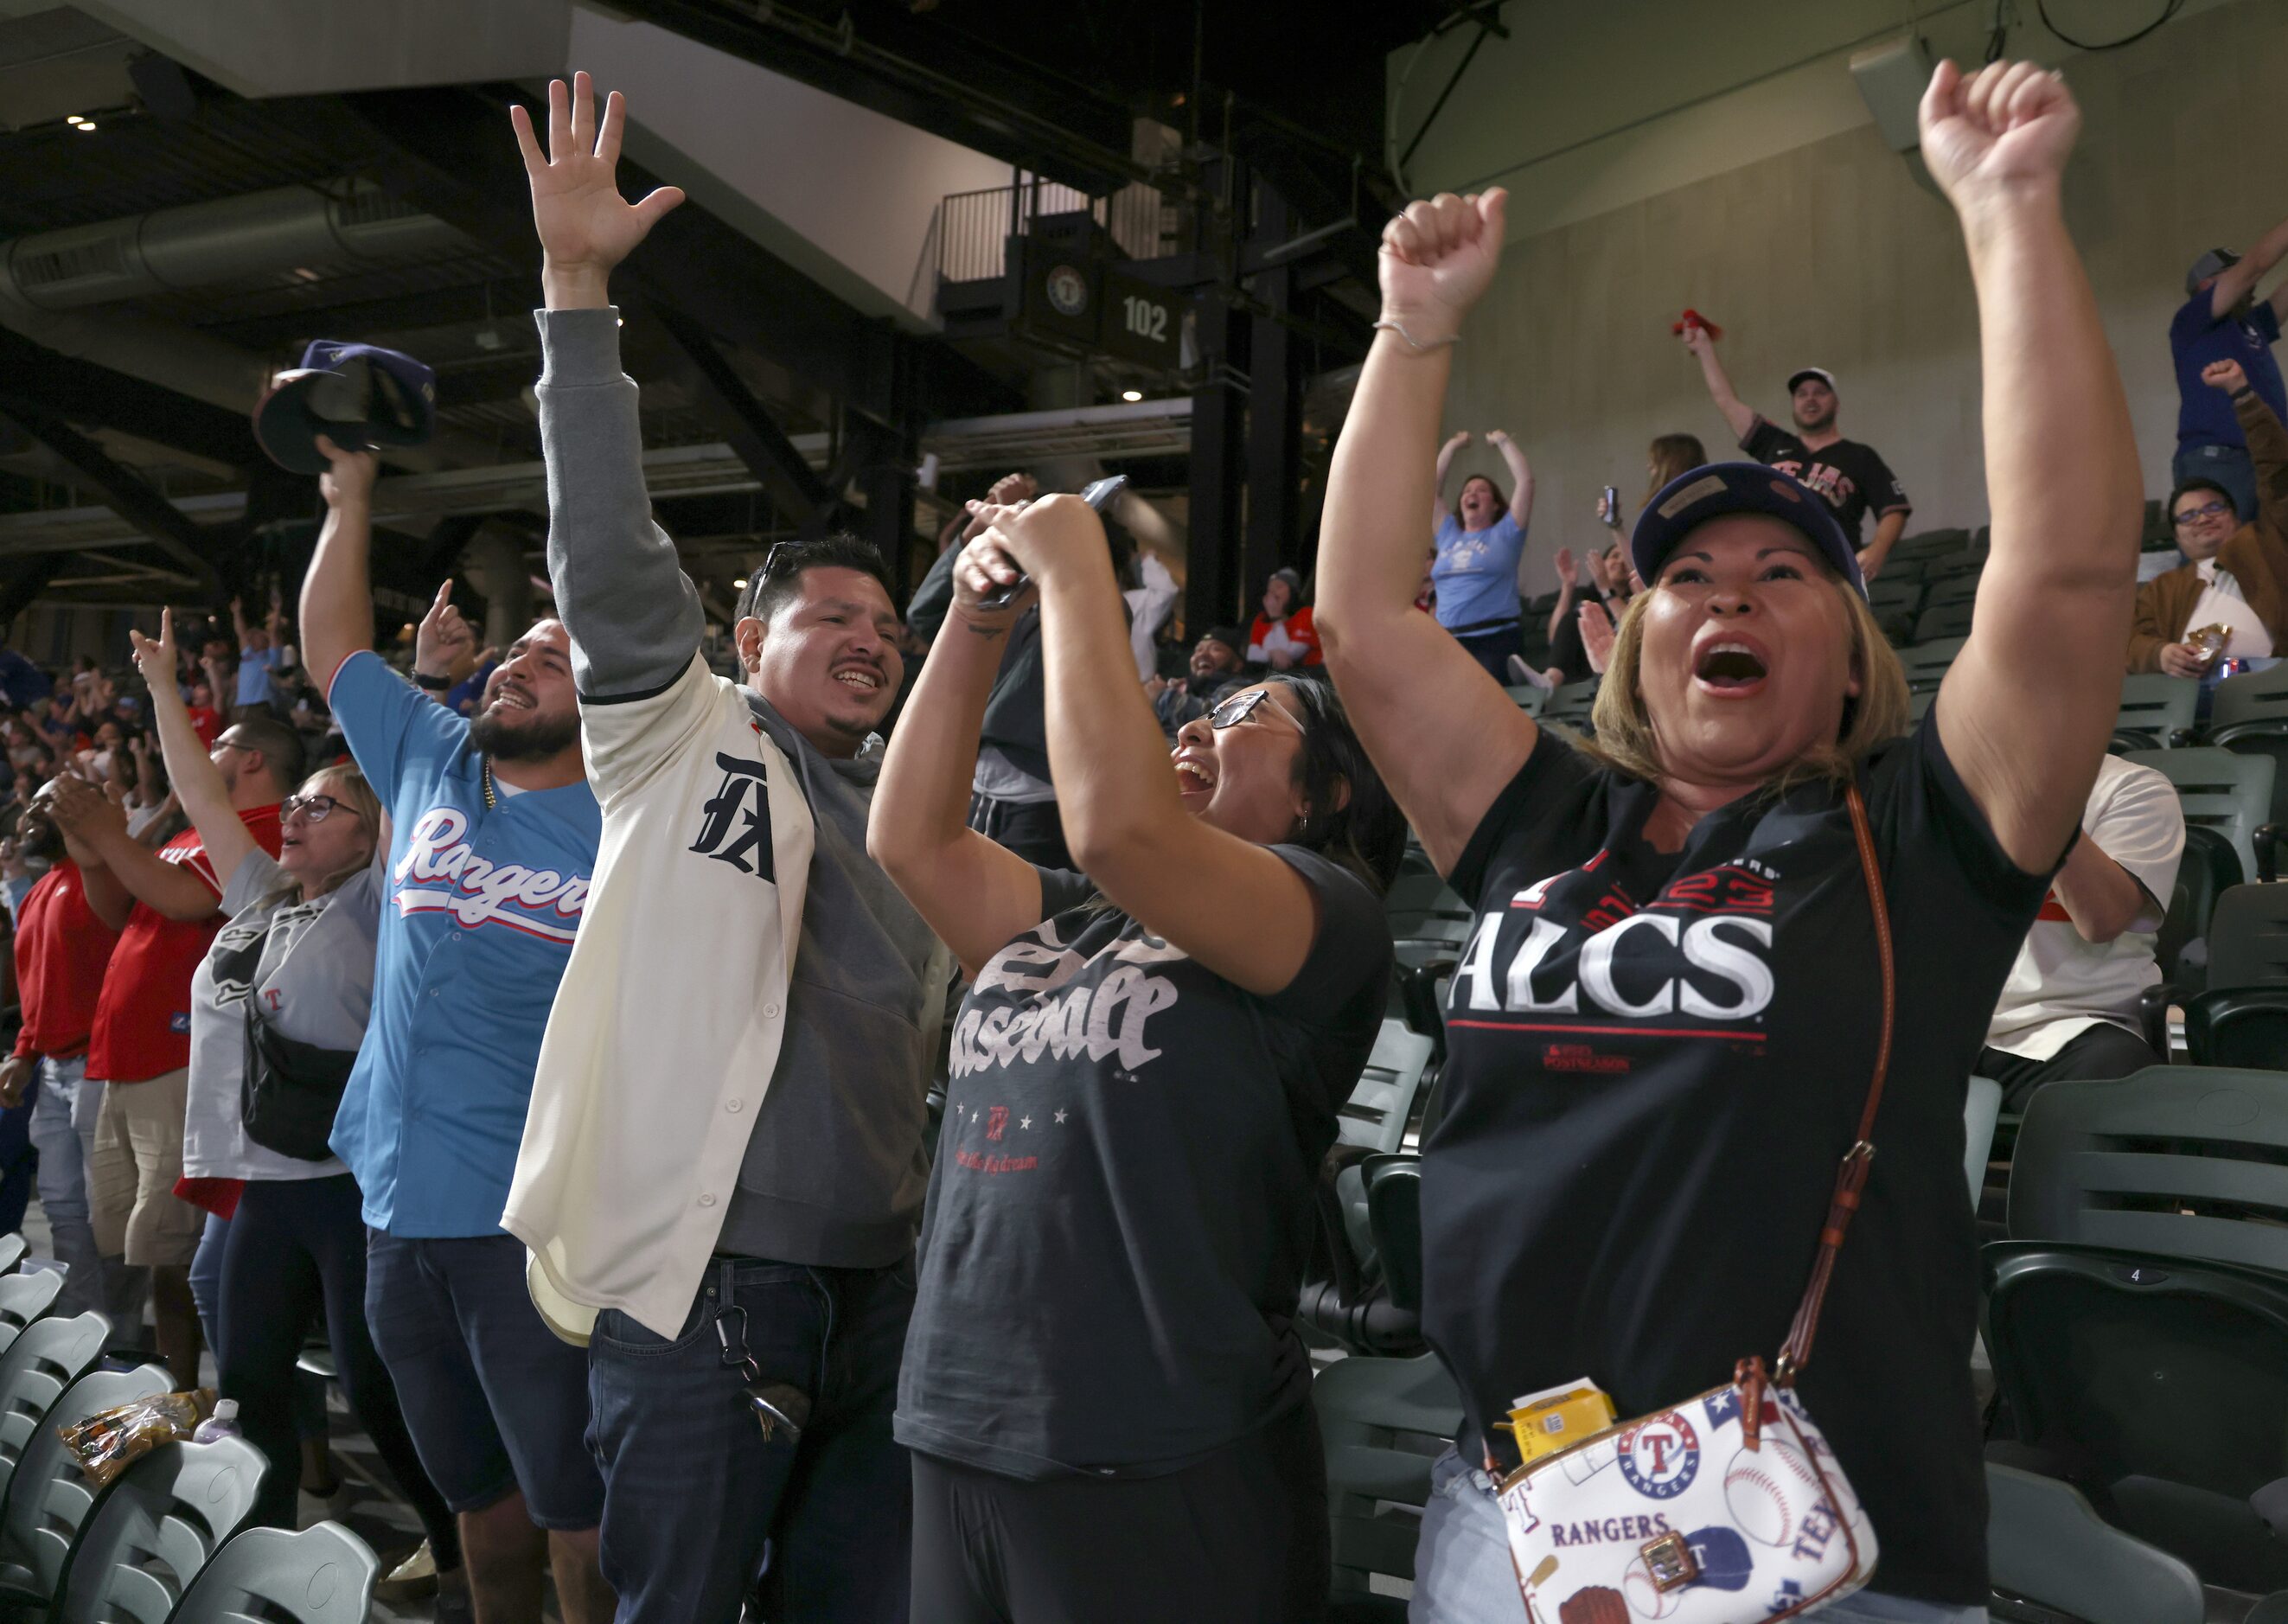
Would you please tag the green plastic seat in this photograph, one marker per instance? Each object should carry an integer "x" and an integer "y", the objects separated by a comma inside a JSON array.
[
  {"x": 12, "y": 1247},
  {"x": 322, "y": 1575},
  {"x": 49, "y": 1496},
  {"x": 2227, "y": 793},
  {"x": 2249, "y": 716},
  {"x": 2237, "y": 1026},
  {"x": 38, "y": 1366},
  {"x": 1926, "y": 664},
  {"x": 1385, "y": 1422},
  {"x": 2156, "y": 712},
  {"x": 2248, "y": 940},
  {"x": 1528, "y": 697},
  {"x": 1957, "y": 588},
  {"x": 25, "y": 1298},
  {"x": 153, "y": 1529},
  {"x": 2210, "y": 867},
  {"x": 2045, "y": 1545},
  {"x": 1570, "y": 703},
  {"x": 1945, "y": 620},
  {"x": 1381, "y": 1101}
]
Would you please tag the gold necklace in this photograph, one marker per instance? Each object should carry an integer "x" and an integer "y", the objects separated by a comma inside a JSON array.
[{"x": 485, "y": 782}]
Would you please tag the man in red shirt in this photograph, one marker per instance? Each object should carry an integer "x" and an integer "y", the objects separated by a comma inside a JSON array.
[
  {"x": 61, "y": 951},
  {"x": 141, "y": 1045}
]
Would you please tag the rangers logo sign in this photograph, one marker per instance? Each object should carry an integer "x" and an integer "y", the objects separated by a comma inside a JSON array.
[{"x": 1661, "y": 1458}]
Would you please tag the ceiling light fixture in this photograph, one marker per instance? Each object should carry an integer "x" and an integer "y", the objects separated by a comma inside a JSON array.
[
  {"x": 1131, "y": 395},
  {"x": 85, "y": 126},
  {"x": 741, "y": 584}
]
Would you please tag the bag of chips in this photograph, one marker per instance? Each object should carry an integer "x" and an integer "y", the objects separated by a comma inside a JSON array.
[{"x": 108, "y": 1440}]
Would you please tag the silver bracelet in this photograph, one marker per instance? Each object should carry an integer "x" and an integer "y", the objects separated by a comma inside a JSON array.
[{"x": 1414, "y": 342}]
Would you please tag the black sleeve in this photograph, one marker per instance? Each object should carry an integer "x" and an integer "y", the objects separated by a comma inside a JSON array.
[
  {"x": 1881, "y": 487},
  {"x": 1556, "y": 804},
  {"x": 933, "y": 600},
  {"x": 1566, "y": 650},
  {"x": 1351, "y": 947},
  {"x": 1763, "y": 441},
  {"x": 1062, "y": 888},
  {"x": 1939, "y": 847}
]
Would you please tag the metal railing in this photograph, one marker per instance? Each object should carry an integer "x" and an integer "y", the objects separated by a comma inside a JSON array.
[{"x": 973, "y": 228}]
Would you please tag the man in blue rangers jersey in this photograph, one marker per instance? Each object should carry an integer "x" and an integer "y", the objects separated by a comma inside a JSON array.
[{"x": 494, "y": 841}]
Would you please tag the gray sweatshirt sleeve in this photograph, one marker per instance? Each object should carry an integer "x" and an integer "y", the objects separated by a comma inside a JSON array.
[{"x": 633, "y": 616}]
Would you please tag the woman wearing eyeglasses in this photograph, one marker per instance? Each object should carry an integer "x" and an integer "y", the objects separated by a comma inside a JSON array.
[
  {"x": 1108, "y": 1413},
  {"x": 278, "y": 1008}
]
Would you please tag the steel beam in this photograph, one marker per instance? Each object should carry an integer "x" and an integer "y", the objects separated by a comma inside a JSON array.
[
  {"x": 1274, "y": 409},
  {"x": 161, "y": 523},
  {"x": 82, "y": 391},
  {"x": 716, "y": 387}
]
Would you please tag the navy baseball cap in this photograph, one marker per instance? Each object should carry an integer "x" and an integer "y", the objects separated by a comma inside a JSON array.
[
  {"x": 1800, "y": 373},
  {"x": 1722, "y": 488},
  {"x": 2216, "y": 262},
  {"x": 360, "y": 396}
]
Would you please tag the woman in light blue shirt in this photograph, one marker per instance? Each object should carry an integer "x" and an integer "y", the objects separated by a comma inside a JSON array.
[{"x": 1480, "y": 541}]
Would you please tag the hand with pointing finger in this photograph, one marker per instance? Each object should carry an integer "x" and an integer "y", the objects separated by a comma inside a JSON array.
[{"x": 444, "y": 640}]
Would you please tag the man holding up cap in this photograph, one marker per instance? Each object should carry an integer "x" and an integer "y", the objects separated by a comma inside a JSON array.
[
  {"x": 2223, "y": 320},
  {"x": 1849, "y": 476}
]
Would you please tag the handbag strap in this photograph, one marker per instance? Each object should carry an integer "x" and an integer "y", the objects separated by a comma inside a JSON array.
[{"x": 1851, "y": 1178}]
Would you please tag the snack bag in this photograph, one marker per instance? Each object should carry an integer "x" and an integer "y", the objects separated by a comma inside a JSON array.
[{"x": 106, "y": 1441}]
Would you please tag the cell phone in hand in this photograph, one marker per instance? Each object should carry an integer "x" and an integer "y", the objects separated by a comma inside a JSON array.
[{"x": 1099, "y": 496}]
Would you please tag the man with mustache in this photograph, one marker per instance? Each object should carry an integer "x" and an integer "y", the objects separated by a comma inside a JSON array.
[
  {"x": 494, "y": 843},
  {"x": 722, "y": 1173}
]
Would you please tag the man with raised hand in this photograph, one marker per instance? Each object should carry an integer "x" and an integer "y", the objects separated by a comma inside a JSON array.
[
  {"x": 2221, "y": 320},
  {"x": 494, "y": 843},
  {"x": 723, "y": 1171},
  {"x": 1850, "y": 476}
]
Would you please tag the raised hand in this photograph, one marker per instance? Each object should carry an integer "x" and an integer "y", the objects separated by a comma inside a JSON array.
[
  {"x": 1695, "y": 338},
  {"x": 2006, "y": 128},
  {"x": 1569, "y": 568},
  {"x": 154, "y": 658},
  {"x": 1437, "y": 258},
  {"x": 347, "y": 480},
  {"x": 1497, "y": 436},
  {"x": 1596, "y": 635},
  {"x": 586, "y": 226},
  {"x": 1459, "y": 438},
  {"x": 985, "y": 567},
  {"x": 443, "y": 635},
  {"x": 2225, "y": 375}
]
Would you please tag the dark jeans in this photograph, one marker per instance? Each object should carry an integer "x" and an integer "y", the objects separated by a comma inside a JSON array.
[
  {"x": 1029, "y": 828},
  {"x": 295, "y": 1246},
  {"x": 1492, "y": 650},
  {"x": 694, "y": 1494},
  {"x": 1240, "y": 1536},
  {"x": 2227, "y": 465},
  {"x": 2102, "y": 1052}
]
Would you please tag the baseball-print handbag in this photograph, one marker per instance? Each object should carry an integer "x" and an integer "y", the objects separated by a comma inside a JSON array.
[{"x": 1729, "y": 1507}]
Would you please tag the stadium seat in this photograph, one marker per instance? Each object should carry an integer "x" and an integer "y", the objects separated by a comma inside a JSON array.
[
  {"x": 2045, "y": 1544},
  {"x": 1926, "y": 664},
  {"x": 2155, "y": 713},
  {"x": 2173, "y": 1162},
  {"x": 12, "y": 1247},
  {"x": 2248, "y": 939},
  {"x": 1919, "y": 704},
  {"x": 1382, "y": 1101},
  {"x": 1384, "y": 1423},
  {"x": 2238, "y": 1026},
  {"x": 49, "y": 1356},
  {"x": 1528, "y": 697},
  {"x": 23, "y": 1299},
  {"x": 2210, "y": 867},
  {"x": 1947, "y": 620},
  {"x": 1959, "y": 565},
  {"x": 1931, "y": 543},
  {"x": 2157, "y": 1388},
  {"x": 1981, "y": 1109},
  {"x": 49, "y": 1496},
  {"x": 2248, "y": 714},
  {"x": 1571, "y": 704},
  {"x": 153, "y": 1529},
  {"x": 322, "y": 1575},
  {"x": 1960, "y": 587},
  {"x": 1890, "y": 591},
  {"x": 2230, "y": 793}
]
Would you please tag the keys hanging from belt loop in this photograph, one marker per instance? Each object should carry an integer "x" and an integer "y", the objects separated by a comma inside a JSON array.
[{"x": 778, "y": 1406}]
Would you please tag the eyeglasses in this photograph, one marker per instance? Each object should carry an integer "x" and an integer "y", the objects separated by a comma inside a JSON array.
[
  {"x": 2206, "y": 510},
  {"x": 317, "y": 809},
  {"x": 1240, "y": 707}
]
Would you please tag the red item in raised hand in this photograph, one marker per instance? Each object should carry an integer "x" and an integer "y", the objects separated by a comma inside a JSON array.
[{"x": 1693, "y": 318}]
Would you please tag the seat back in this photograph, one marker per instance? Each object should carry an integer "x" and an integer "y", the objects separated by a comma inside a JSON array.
[
  {"x": 2210, "y": 867},
  {"x": 38, "y": 1366},
  {"x": 49, "y": 1496},
  {"x": 1384, "y": 1422},
  {"x": 24, "y": 1298},
  {"x": 2237, "y": 1026},
  {"x": 2253, "y": 697},
  {"x": 1944, "y": 620},
  {"x": 2159, "y": 1387},
  {"x": 1375, "y": 1116},
  {"x": 2248, "y": 940},
  {"x": 154, "y": 1528},
  {"x": 2219, "y": 790},
  {"x": 1529, "y": 698},
  {"x": 322, "y": 1575},
  {"x": 1926, "y": 663},
  {"x": 2173, "y": 1162},
  {"x": 1958, "y": 586},
  {"x": 12, "y": 1247},
  {"x": 2153, "y": 707},
  {"x": 1981, "y": 1109},
  {"x": 1570, "y": 703},
  {"x": 2045, "y": 1545},
  {"x": 1394, "y": 1207}
]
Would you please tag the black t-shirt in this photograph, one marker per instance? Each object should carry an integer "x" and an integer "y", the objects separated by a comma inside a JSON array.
[
  {"x": 1655, "y": 1063},
  {"x": 1849, "y": 477},
  {"x": 1122, "y": 1201}
]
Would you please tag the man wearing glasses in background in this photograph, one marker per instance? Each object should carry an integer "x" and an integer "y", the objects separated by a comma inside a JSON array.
[{"x": 2237, "y": 576}]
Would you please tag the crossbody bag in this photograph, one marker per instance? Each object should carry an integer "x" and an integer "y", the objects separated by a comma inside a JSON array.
[{"x": 1729, "y": 1508}]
